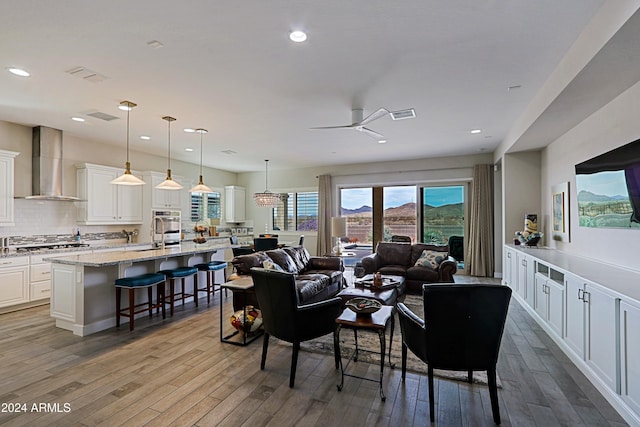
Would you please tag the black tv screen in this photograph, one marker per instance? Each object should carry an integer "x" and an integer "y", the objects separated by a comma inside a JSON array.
[{"x": 608, "y": 188}]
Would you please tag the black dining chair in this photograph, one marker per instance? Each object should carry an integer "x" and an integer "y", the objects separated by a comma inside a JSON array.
[
  {"x": 265, "y": 243},
  {"x": 461, "y": 331},
  {"x": 400, "y": 239},
  {"x": 301, "y": 241},
  {"x": 284, "y": 318}
]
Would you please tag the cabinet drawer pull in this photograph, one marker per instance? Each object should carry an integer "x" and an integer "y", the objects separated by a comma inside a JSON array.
[{"x": 580, "y": 294}]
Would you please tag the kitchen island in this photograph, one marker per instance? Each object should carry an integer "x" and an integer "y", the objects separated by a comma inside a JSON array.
[{"x": 82, "y": 286}]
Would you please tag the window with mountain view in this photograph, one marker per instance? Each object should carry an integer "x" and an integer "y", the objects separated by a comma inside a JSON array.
[
  {"x": 356, "y": 205},
  {"x": 442, "y": 213},
  {"x": 399, "y": 213}
]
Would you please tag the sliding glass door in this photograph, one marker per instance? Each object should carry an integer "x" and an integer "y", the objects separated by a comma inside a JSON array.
[{"x": 442, "y": 215}]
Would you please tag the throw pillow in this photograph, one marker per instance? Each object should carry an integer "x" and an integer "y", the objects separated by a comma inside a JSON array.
[
  {"x": 270, "y": 265},
  {"x": 431, "y": 259}
]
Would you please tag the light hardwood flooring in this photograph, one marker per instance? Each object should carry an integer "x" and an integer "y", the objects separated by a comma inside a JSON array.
[{"x": 177, "y": 373}]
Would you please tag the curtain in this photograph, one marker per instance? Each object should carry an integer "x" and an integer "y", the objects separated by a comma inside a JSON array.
[
  {"x": 324, "y": 245},
  {"x": 480, "y": 247}
]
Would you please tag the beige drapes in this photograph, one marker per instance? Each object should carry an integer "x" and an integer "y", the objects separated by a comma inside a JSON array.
[
  {"x": 324, "y": 215},
  {"x": 479, "y": 256}
]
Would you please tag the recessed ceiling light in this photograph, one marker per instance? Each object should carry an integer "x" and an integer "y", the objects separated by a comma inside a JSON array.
[
  {"x": 188, "y": 149},
  {"x": 189, "y": 130},
  {"x": 382, "y": 141},
  {"x": 18, "y": 72},
  {"x": 475, "y": 131},
  {"x": 145, "y": 137},
  {"x": 77, "y": 119},
  {"x": 155, "y": 44},
  {"x": 297, "y": 36},
  {"x": 514, "y": 87}
]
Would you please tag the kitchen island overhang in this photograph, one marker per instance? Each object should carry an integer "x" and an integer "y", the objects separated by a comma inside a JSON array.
[{"x": 83, "y": 290}]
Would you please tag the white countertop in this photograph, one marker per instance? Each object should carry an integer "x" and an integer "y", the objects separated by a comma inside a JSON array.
[
  {"x": 623, "y": 281},
  {"x": 101, "y": 259}
]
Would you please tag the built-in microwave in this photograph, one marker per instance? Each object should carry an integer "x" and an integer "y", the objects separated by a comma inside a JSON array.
[{"x": 166, "y": 227}]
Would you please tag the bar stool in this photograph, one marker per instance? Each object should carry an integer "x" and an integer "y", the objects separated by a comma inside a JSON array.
[
  {"x": 142, "y": 281},
  {"x": 210, "y": 268},
  {"x": 178, "y": 273}
]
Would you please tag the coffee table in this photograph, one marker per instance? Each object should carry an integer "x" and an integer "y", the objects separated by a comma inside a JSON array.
[
  {"x": 386, "y": 294},
  {"x": 376, "y": 322}
]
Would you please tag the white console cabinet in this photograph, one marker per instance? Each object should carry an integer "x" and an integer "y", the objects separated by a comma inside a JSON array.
[
  {"x": 591, "y": 310},
  {"x": 630, "y": 354},
  {"x": 103, "y": 203}
]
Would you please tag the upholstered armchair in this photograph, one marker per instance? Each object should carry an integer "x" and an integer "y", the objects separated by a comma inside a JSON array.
[
  {"x": 461, "y": 331},
  {"x": 284, "y": 318}
]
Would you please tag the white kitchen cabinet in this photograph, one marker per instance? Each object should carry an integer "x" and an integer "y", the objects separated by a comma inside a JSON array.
[
  {"x": 14, "y": 281},
  {"x": 163, "y": 199},
  {"x": 549, "y": 297},
  {"x": 526, "y": 272},
  {"x": 574, "y": 328},
  {"x": 509, "y": 269},
  {"x": 104, "y": 203},
  {"x": 630, "y": 354},
  {"x": 39, "y": 278},
  {"x": 601, "y": 346},
  {"x": 234, "y": 201},
  {"x": 6, "y": 187}
]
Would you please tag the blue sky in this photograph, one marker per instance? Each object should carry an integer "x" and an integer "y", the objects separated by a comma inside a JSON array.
[
  {"x": 353, "y": 198},
  {"x": 603, "y": 183}
]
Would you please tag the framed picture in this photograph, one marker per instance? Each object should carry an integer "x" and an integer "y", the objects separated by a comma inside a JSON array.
[{"x": 560, "y": 212}]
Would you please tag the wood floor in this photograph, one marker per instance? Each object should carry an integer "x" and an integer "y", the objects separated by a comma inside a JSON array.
[{"x": 177, "y": 373}]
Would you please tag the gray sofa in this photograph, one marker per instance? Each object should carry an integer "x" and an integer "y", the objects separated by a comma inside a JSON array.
[
  {"x": 317, "y": 278},
  {"x": 399, "y": 259}
]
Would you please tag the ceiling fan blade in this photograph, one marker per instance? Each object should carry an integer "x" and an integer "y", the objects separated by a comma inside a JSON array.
[
  {"x": 371, "y": 133},
  {"x": 334, "y": 127},
  {"x": 379, "y": 113}
]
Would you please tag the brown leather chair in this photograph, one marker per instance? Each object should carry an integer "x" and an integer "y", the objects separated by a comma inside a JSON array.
[
  {"x": 285, "y": 319},
  {"x": 461, "y": 331}
]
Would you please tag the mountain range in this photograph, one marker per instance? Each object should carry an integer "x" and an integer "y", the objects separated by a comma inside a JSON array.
[{"x": 588, "y": 196}]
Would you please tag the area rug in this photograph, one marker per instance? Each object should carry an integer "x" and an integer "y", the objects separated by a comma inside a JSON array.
[{"x": 370, "y": 341}]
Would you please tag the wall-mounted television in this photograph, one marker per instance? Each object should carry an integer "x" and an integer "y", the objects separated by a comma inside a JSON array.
[{"x": 608, "y": 188}]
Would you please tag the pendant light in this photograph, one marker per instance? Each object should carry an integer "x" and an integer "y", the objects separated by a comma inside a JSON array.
[
  {"x": 266, "y": 199},
  {"x": 127, "y": 178},
  {"x": 201, "y": 188},
  {"x": 169, "y": 183}
]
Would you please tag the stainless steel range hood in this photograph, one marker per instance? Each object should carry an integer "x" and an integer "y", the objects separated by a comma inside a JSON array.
[{"x": 46, "y": 169}]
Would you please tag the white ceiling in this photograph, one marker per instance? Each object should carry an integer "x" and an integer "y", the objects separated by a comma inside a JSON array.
[{"x": 229, "y": 67}]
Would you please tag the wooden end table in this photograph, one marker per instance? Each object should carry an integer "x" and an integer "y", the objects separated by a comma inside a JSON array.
[
  {"x": 242, "y": 285},
  {"x": 376, "y": 322}
]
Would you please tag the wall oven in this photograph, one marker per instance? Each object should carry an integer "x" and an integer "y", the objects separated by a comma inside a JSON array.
[{"x": 166, "y": 227}]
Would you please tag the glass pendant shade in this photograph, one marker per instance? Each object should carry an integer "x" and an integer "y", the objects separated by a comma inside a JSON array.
[
  {"x": 201, "y": 187},
  {"x": 169, "y": 183},
  {"x": 266, "y": 199},
  {"x": 127, "y": 178}
]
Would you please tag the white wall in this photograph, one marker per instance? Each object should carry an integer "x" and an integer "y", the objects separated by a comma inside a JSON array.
[{"x": 612, "y": 126}]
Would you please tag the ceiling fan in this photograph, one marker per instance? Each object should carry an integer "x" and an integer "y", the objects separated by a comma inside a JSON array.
[{"x": 358, "y": 122}]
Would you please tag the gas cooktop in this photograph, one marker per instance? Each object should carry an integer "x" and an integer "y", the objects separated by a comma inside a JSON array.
[{"x": 49, "y": 246}]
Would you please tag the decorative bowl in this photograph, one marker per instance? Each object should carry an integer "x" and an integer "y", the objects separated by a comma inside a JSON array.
[{"x": 363, "y": 306}]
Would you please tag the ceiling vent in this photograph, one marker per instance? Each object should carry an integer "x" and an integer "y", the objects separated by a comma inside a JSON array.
[
  {"x": 102, "y": 116},
  {"x": 86, "y": 74},
  {"x": 409, "y": 113}
]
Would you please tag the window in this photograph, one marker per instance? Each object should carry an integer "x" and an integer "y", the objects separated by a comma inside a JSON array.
[
  {"x": 296, "y": 212},
  {"x": 206, "y": 206}
]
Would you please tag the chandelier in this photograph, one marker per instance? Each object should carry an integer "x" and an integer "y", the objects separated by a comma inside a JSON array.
[{"x": 266, "y": 199}]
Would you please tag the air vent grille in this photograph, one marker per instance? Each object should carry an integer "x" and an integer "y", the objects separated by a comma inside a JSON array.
[
  {"x": 102, "y": 116},
  {"x": 86, "y": 74},
  {"x": 403, "y": 114}
]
